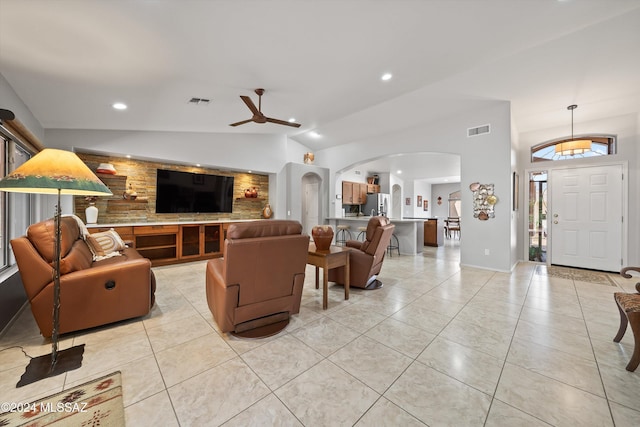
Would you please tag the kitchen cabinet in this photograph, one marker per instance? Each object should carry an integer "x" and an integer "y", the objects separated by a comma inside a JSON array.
[
  {"x": 373, "y": 188},
  {"x": 347, "y": 193},
  {"x": 432, "y": 233},
  {"x": 354, "y": 193}
]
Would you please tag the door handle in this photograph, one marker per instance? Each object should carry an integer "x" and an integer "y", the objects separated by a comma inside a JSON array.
[
  {"x": 555, "y": 215},
  {"x": 555, "y": 222}
]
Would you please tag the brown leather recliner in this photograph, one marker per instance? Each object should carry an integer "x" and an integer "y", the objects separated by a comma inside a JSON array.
[
  {"x": 92, "y": 293},
  {"x": 258, "y": 284},
  {"x": 365, "y": 259}
]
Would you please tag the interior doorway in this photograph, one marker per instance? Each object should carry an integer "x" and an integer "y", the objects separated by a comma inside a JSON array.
[{"x": 311, "y": 203}]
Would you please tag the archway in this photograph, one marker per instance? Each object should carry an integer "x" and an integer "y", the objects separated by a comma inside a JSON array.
[{"x": 311, "y": 201}]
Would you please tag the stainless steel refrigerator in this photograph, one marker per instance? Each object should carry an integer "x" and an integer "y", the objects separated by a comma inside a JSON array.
[{"x": 378, "y": 204}]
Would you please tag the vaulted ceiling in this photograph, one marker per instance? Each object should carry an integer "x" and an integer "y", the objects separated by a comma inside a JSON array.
[{"x": 319, "y": 62}]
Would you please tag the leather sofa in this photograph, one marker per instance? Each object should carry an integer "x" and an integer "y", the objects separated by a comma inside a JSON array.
[
  {"x": 92, "y": 293},
  {"x": 258, "y": 284},
  {"x": 365, "y": 259}
]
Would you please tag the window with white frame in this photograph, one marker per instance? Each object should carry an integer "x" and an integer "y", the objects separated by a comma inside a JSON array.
[{"x": 16, "y": 208}]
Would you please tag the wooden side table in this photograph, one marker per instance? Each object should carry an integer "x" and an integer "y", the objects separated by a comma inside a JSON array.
[{"x": 336, "y": 256}]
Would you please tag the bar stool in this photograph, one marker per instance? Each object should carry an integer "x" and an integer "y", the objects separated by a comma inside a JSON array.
[
  {"x": 341, "y": 235},
  {"x": 362, "y": 233},
  {"x": 393, "y": 244}
]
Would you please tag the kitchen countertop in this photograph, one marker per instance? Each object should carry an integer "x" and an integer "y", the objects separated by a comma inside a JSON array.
[{"x": 366, "y": 218}]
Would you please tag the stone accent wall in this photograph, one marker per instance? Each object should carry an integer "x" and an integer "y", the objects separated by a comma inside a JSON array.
[{"x": 142, "y": 175}]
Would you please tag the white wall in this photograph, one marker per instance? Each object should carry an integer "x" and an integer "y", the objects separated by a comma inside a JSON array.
[
  {"x": 421, "y": 188},
  {"x": 265, "y": 153},
  {"x": 443, "y": 190},
  {"x": 517, "y": 242},
  {"x": 408, "y": 192},
  {"x": 484, "y": 158},
  {"x": 292, "y": 177},
  {"x": 9, "y": 100}
]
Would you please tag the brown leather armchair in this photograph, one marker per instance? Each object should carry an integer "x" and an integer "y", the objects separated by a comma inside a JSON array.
[
  {"x": 92, "y": 293},
  {"x": 365, "y": 259},
  {"x": 258, "y": 284}
]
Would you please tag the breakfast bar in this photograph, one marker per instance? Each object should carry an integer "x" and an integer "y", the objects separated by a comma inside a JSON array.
[{"x": 410, "y": 232}]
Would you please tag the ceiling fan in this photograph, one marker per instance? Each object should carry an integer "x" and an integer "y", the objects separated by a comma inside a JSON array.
[{"x": 258, "y": 117}]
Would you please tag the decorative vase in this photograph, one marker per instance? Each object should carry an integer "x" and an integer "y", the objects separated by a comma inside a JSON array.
[
  {"x": 130, "y": 193},
  {"x": 267, "y": 212},
  {"x": 254, "y": 192},
  {"x": 247, "y": 193},
  {"x": 322, "y": 236},
  {"x": 91, "y": 213},
  {"x": 308, "y": 158}
]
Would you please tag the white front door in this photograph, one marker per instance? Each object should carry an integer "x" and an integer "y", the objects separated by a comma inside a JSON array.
[{"x": 586, "y": 217}]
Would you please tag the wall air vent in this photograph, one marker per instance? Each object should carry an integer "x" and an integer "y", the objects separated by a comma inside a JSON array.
[
  {"x": 480, "y": 130},
  {"x": 199, "y": 101}
]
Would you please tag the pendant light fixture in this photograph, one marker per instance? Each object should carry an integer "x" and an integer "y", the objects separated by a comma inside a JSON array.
[{"x": 573, "y": 146}]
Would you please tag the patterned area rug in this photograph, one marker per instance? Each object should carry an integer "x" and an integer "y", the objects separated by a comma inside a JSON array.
[
  {"x": 578, "y": 274},
  {"x": 96, "y": 403}
]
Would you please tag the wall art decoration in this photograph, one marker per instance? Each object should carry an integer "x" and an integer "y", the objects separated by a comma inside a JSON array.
[
  {"x": 484, "y": 200},
  {"x": 425, "y": 205},
  {"x": 407, "y": 201},
  {"x": 419, "y": 201}
]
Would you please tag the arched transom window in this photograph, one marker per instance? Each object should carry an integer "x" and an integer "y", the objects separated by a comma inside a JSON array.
[{"x": 574, "y": 148}]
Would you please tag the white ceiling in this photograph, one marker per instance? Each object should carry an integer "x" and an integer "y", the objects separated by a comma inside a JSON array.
[{"x": 320, "y": 61}]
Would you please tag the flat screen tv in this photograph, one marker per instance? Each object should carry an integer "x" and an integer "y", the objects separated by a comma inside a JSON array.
[{"x": 187, "y": 192}]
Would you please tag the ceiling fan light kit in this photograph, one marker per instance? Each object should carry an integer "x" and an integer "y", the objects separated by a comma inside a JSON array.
[{"x": 258, "y": 117}]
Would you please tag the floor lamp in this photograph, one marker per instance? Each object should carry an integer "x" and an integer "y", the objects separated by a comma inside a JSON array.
[{"x": 58, "y": 172}]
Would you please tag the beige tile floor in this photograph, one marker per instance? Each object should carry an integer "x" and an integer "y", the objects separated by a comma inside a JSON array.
[{"x": 437, "y": 345}]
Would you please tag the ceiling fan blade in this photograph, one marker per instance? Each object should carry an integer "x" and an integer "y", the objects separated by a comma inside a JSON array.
[
  {"x": 241, "y": 123},
  {"x": 282, "y": 122},
  {"x": 251, "y": 105}
]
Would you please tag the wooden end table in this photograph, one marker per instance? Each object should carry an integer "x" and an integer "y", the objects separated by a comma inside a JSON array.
[{"x": 336, "y": 256}]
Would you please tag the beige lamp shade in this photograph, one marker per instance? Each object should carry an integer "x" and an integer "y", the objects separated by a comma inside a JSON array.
[
  {"x": 52, "y": 171},
  {"x": 571, "y": 148}
]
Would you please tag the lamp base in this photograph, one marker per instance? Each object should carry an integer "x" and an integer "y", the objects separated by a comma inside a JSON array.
[{"x": 40, "y": 367}]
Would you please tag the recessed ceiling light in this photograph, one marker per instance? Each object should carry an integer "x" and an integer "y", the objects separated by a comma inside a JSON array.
[
  {"x": 386, "y": 76},
  {"x": 198, "y": 164},
  {"x": 119, "y": 106},
  {"x": 128, "y": 156},
  {"x": 399, "y": 171},
  {"x": 314, "y": 134},
  {"x": 292, "y": 120},
  {"x": 248, "y": 171}
]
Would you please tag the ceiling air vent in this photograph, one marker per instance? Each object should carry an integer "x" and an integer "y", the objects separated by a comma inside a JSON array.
[
  {"x": 478, "y": 130},
  {"x": 199, "y": 101}
]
